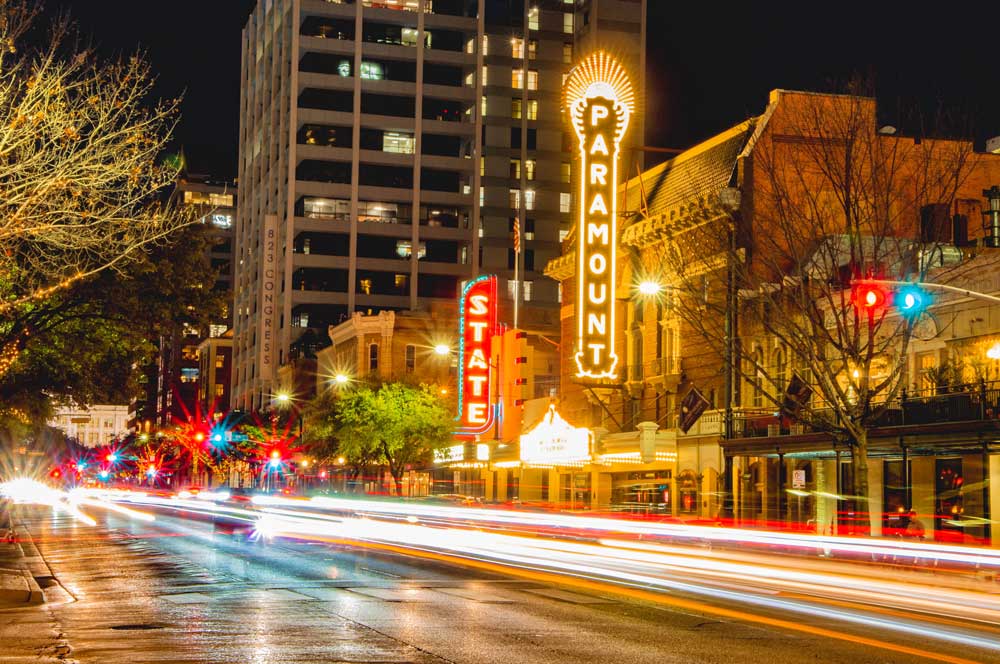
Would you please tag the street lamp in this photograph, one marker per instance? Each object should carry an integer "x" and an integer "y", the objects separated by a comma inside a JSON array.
[
  {"x": 341, "y": 379},
  {"x": 649, "y": 288},
  {"x": 442, "y": 349}
]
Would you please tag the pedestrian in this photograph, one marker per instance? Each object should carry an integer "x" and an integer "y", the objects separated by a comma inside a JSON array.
[{"x": 914, "y": 526}]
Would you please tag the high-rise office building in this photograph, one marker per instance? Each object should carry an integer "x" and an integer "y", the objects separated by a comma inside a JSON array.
[{"x": 387, "y": 148}]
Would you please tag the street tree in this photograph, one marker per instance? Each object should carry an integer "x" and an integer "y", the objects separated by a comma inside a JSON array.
[
  {"x": 827, "y": 201},
  {"x": 87, "y": 342},
  {"x": 80, "y": 168},
  {"x": 393, "y": 423}
]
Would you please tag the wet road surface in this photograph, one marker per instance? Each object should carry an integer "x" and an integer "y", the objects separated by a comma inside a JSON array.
[{"x": 175, "y": 590}]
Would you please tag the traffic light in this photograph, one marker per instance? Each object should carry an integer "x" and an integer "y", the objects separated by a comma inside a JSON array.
[
  {"x": 55, "y": 474},
  {"x": 869, "y": 297},
  {"x": 912, "y": 300}
]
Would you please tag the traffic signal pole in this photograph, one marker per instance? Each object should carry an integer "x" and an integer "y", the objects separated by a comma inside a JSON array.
[{"x": 933, "y": 286}]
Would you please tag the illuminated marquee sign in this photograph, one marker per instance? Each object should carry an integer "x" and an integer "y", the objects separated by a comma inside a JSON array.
[
  {"x": 600, "y": 101},
  {"x": 554, "y": 441},
  {"x": 477, "y": 327}
]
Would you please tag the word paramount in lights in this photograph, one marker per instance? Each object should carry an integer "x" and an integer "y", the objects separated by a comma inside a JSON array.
[{"x": 600, "y": 102}]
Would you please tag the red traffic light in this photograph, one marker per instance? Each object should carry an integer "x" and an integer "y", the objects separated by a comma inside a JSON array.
[
  {"x": 55, "y": 474},
  {"x": 870, "y": 297}
]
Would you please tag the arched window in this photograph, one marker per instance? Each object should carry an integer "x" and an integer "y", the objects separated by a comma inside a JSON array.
[{"x": 780, "y": 370}]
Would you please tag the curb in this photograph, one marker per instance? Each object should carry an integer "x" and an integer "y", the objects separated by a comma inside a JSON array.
[{"x": 18, "y": 586}]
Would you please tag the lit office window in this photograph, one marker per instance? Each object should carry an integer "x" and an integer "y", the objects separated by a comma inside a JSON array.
[
  {"x": 532, "y": 49},
  {"x": 514, "y": 198},
  {"x": 515, "y": 109},
  {"x": 564, "y": 172},
  {"x": 568, "y": 23},
  {"x": 526, "y": 290},
  {"x": 532, "y": 109},
  {"x": 517, "y": 78},
  {"x": 393, "y": 141},
  {"x": 371, "y": 71},
  {"x": 533, "y": 18},
  {"x": 564, "y": 202},
  {"x": 529, "y": 199},
  {"x": 529, "y": 169},
  {"x": 517, "y": 48},
  {"x": 567, "y": 54},
  {"x": 515, "y": 169},
  {"x": 533, "y": 79}
]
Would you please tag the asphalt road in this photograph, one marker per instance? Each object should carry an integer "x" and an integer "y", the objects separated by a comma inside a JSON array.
[{"x": 175, "y": 590}]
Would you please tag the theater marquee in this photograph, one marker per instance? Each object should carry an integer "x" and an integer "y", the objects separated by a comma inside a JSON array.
[
  {"x": 477, "y": 327},
  {"x": 600, "y": 101}
]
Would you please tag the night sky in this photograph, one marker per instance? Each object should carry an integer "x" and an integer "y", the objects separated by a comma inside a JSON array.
[{"x": 708, "y": 68}]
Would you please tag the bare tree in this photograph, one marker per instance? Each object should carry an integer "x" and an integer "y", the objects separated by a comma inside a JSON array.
[
  {"x": 826, "y": 200},
  {"x": 80, "y": 165}
]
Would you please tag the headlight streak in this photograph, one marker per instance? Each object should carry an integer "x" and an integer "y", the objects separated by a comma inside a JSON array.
[
  {"x": 587, "y": 561},
  {"x": 781, "y": 582}
]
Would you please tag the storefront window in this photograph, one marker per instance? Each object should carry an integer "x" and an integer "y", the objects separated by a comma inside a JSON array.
[{"x": 948, "y": 503}]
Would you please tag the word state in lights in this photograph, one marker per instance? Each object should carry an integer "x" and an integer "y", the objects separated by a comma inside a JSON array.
[
  {"x": 477, "y": 327},
  {"x": 600, "y": 101}
]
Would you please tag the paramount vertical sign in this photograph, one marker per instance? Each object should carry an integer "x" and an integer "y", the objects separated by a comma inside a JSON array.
[{"x": 600, "y": 100}]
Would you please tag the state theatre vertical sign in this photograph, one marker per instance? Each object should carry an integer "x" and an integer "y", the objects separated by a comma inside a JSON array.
[
  {"x": 600, "y": 102},
  {"x": 478, "y": 326}
]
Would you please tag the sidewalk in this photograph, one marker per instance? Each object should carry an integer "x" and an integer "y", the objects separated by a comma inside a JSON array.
[{"x": 20, "y": 563}]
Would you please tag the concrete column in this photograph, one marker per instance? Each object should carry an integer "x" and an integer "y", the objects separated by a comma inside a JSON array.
[
  {"x": 994, "y": 486},
  {"x": 875, "y": 502},
  {"x": 647, "y": 441},
  {"x": 923, "y": 491},
  {"x": 600, "y": 490},
  {"x": 710, "y": 503}
]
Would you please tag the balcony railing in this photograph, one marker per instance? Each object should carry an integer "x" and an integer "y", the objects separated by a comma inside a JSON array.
[{"x": 959, "y": 403}]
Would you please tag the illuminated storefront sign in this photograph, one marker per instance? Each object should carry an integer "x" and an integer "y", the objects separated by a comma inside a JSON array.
[
  {"x": 600, "y": 101},
  {"x": 450, "y": 454},
  {"x": 555, "y": 442},
  {"x": 477, "y": 327}
]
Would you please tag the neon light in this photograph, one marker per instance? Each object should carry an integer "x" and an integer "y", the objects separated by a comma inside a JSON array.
[
  {"x": 600, "y": 101},
  {"x": 477, "y": 325}
]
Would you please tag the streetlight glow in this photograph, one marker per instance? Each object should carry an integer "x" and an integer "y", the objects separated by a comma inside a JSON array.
[
  {"x": 341, "y": 379},
  {"x": 650, "y": 287},
  {"x": 283, "y": 397},
  {"x": 442, "y": 349}
]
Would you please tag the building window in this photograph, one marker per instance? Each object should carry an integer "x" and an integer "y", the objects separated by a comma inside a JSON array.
[
  {"x": 533, "y": 18},
  {"x": 529, "y": 199},
  {"x": 514, "y": 198},
  {"x": 401, "y": 282},
  {"x": 482, "y": 106},
  {"x": 220, "y": 361},
  {"x": 485, "y": 76},
  {"x": 365, "y": 286},
  {"x": 567, "y": 54},
  {"x": 220, "y": 389},
  {"x": 411, "y": 358},
  {"x": 564, "y": 201},
  {"x": 529, "y": 259},
  {"x": 372, "y": 71},
  {"x": 529, "y": 169},
  {"x": 529, "y": 229},
  {"x": 527, "y": 291},
  {"x": 532, "y": 84},
  {"x": 517, "y": 48},
  {"x": 564, "y": 172},
  {"x": 757, "y": 389},
  {"x": 532, "y": 49},
  {"x": 404, "y": 249},
  {"x": 568, "y": 23},
  {"x": 515, "y": 109},
  {"x": 393, "y": 141},
  {"x": 532, "y": 109},
  {"x": 373, "y": 357},
  {"x": 482, "y": 196},
  {"x": 515, "y": 168},
  {"x": 517, "y": 78}
]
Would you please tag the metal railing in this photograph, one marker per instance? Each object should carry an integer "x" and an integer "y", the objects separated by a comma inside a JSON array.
[{"x": 957, "y": 403}]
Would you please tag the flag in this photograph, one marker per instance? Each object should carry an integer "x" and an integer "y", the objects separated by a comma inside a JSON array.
[
  {"x": 796, "y": 396},
  {"x": 517, "y": 235},
  {"x": 692, "y": 406}
]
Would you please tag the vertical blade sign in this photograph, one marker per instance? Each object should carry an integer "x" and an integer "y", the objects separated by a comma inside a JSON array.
[
  {"x": 478, "y": 325},
  {"x": 599, "y": 97}
]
